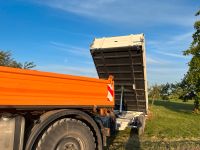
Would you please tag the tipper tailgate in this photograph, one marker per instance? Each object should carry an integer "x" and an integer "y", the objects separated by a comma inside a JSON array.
[{"x": 124, "y": 58}]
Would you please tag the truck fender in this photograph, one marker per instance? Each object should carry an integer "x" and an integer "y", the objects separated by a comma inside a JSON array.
[{"x": 51, "y": 116}]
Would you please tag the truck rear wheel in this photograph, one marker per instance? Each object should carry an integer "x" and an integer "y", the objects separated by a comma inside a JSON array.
[{"x": 67, "y": 134}]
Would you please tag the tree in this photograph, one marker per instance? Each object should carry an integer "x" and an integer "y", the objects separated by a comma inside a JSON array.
[
  {"x": 7, "y": 60},
  {"x": 165, "y": 91},
  {"x": 28, "y": 65},
  {"x": 193, "y": 74},
  {"x": 154, "y": 93}
]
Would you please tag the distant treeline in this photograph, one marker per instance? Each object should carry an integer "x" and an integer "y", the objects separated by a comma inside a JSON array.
[{"x": 172, "y": 91}]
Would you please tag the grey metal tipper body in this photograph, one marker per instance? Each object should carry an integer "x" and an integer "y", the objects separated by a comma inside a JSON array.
[{"x": 124, "y": 57}]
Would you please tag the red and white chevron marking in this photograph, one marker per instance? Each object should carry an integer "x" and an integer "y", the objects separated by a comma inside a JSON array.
[{"x": 110, "y": 95}]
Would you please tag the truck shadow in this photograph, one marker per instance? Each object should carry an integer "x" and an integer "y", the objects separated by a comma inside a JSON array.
[
  {"x": 133, "y": 142},
  {"x": 124, "y": 141},
  {"x": 175, "y": 106}
]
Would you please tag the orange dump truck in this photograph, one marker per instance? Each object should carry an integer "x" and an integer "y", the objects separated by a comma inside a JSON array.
[{"x": 48, "y": 111}]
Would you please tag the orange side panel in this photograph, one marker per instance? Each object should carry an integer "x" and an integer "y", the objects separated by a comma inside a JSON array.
[{"x": 20, "y": 87}]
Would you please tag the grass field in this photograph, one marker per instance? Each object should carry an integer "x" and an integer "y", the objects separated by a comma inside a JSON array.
[{"x": 171, "y": 125}]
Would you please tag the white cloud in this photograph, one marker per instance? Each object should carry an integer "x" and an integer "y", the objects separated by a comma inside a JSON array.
[
  {"x": 74, "y": 70},
  {"x": 170, "y": 49},
  {"x": 172, "y": 54},
  {"x": 128, "y": 12},
  {"x": 152, "y": 61},
  {"x": 182, "y": 37},
  {"x": 172, "y": 46},
  {"x": 71, "y": 49},
  {"x": 156, "y": 61},
  {"x": 185, "y": 36},
  {"x": 172, "y": 41},
  {"x": 165, "y": 74},
  {"x": 167, "y": 70}
]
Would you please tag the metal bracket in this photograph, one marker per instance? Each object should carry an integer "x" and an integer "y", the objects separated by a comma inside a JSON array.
[{"x": 121, "y": 99}]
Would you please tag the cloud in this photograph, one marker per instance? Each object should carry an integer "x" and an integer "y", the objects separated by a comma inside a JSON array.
[
  {"x": 167, "y": 70},
  {"x": 185, "y": 37},
  {"x": 172, "y": 54},
  {"x": 156, "y": 61},
  {"x": 74, "y": 70},
  {"x": 165, "y": 74},
  {"x": 171, "y": 46},
  {"x": 151, "y": 61},
  {"x": 71, "y": 49},
  {"x": 169, "y": 49},
  {"x": 77, "y": 34},
  {"x": 172, "y": 41},
  {"x": 128, "y": 12}
]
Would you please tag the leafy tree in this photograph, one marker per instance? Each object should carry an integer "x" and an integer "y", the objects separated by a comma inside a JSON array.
[
  {"x": 165, "y": 91},
  {"x": 7, "y": 60},
  {"x": 182, "y": 90},
  {"x": 193, "y": 74},
  {"x": 28, "y": 65},
  {"x": 177, "y": 93},
  {"x": 154, "y": 93}
]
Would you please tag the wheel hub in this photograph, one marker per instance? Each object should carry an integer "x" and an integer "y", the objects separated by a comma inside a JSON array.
[{"x": 69, "y": 143}]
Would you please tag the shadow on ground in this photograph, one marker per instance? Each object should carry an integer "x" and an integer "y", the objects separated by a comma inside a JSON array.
[
  {"x": 133, "y": 142},
  {"x": 175, "y": 106},
  {"x": 120, "y": 141}
]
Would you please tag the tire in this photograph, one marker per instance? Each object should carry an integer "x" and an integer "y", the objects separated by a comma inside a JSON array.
[{"x": 67, "y": 134}]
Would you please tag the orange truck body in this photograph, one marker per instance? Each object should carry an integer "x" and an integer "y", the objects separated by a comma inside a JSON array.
[{"x": 19, "y": 87}]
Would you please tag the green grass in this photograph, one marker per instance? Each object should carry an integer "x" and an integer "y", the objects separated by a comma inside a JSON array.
[
  {"x": 171, "y": 125},
  {"x": 173, "y": 120}
]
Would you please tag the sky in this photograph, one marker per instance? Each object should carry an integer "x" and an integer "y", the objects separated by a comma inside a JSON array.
[{"x": 56, "y": 34}]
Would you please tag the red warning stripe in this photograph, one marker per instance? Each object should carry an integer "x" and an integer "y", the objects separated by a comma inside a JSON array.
[{"x": 110, "y": 90}]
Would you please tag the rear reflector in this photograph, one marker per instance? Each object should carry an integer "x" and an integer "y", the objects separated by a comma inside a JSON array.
[{"x": 110, "y": 92}]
